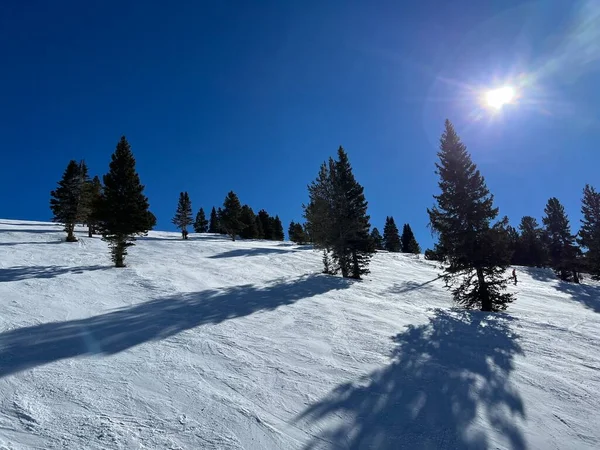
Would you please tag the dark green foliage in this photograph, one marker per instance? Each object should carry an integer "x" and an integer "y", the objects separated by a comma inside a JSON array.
[
  {"x": 589, "y": 235},
  {"x": 220, "y": 226},
  {"x": 213, "y": 226},
  {"x": 296, "y": 233},
  {"x": 477, "y": 252},
  {"x": 391, "y": 236},
  {"x": 562, "y": 251},
  {"x": 530, "y": 249},
  {"x": 435, "y": 254},
  {"x": 230, "y": 217},
  {"x": 183, "y": 215},
  {"x": 260, "y": 232},
  {"x": 409, "y": 242},
  {"x": 377, "y": 239},
  {"x": 65, "y": 199},
  {"x": 337, "y": 217},
  {"x": 266, "y": 224},
  {"x": 278, "y": 234},
  {"x": 93, "y": 195},
  {"x": 249, "y": 227},
  {"x": 123, "y": 208},
  {"x": 201, "y": 224}
]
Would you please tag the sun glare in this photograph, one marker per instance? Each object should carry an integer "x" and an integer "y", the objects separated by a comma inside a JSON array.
[{"x": 497, "y": 98}]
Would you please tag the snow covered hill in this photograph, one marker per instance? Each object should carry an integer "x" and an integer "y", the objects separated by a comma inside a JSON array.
[{"x": 212, "y": 344}]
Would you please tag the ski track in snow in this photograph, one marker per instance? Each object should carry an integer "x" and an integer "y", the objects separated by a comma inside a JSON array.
[{"x": 212, "y": 344}]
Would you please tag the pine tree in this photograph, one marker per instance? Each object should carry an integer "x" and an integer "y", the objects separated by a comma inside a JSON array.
[
  {"x": 278, "y": 234},
  {"x": 123, "y": 208},
  {"x": 266, "y": 224},
  {"x": 65, "y": 199},
  {"x": 337, "y": 217},
  {"x": 391, "y": 236},
  {"x": 589, "y": 235},
  {"x": 409, "y": 242},
  {"x": 561, "y": 243},
  {"x": 213, "y": 226},
  {"x": 230, "y": 218},
  {"x": 220, "y": 225},
  {"x": 183, "y": 215},
  {"x": 530, "y": 249},
  {"x": 248, "y": 218},
  {"x": 377, "y": 239},
  {"x": 201, "y": 224},
  {"x": 85, "y": 199},
  {"x": 260, "y": 232},
  {"x": 476, "y": 251},
  {"x": 93, "y": 193},
  {"x": 296, "y": 233}
]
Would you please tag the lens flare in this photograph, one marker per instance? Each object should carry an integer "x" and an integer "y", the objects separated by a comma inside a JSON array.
[{"x": 497, "y": 98}]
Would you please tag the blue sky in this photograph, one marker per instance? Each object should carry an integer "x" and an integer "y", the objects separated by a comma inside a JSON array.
[{"x": 253, "y": 96}]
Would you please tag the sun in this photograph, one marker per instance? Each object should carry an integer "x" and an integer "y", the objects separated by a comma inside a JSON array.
[{"x": 497, "y": 98}]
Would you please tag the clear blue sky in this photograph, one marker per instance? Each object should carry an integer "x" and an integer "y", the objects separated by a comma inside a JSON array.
[{"x": 253, "y": 96}]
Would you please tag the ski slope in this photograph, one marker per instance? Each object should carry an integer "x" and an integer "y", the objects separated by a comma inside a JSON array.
[{"x": 212, "y": 344}]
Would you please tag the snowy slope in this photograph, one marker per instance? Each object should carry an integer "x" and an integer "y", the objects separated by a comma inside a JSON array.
[{"x": 211, "y": 344}]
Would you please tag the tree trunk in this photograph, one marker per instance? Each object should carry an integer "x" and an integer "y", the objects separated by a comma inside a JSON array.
[
  {"x": 119, "y": 256},
  {"x": 344, "y": 266},
  {"x": 355, "y": 266},
  {"x": 484, "y": 294},
  {"x": 90, "y": 231},
  {"x": 70, "y": 227}
]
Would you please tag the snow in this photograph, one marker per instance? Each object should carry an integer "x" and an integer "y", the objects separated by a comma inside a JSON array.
[{"x": 212, "y": 344}]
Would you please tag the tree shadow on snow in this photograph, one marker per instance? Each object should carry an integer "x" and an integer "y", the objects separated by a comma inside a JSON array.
[
  {"x": 11, "y": 244},
  {"x": 250, "y": 252},
  {"x": 587, "y": 295},
  {"x": 18, "y": 273},
  {"x": 408, "y": 286},
  {"x": 114, "y": 332},
  {"x": 538, "y": 273},
  {"x": 446, "y": 378}
]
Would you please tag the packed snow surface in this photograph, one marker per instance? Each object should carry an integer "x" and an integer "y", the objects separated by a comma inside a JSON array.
[{"x": 213, "y": 344}]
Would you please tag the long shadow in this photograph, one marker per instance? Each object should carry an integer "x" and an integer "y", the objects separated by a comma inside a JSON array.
[
  {"x": 11, "y": 244},
  {"x": 447, "y": 388},
  {"x": 539, "y": 274},
  {"x": 11, "y": 230},
  {"x": 250, "y": 252},
  {"x": 587, "y": 295},
  {"x": 114, "y": 332},
  {"x": 18, "y": 273},
  {"x": 408, "y": 286}
]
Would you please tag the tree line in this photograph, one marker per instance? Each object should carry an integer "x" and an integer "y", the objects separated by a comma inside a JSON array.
[{"x": 475, "y": 246}]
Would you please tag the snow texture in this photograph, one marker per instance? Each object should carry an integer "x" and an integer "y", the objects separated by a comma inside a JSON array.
[{"x": 213, "y": 344}]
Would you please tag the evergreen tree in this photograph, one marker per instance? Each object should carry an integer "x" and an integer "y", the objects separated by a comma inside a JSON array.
[
  {"x": 589, "y": 235},
  {"x": 377, "y": 239},
  {"x": 337, "y": 217},
  {"x": 93, "y": 193},
  {"x": 65, "y": 199},
  {"x": 477, "y": 252},
  {"x": 530, "y": 249},
  {"x": 561, "y": 243},
  {"x": 85, "y": 199},
  {"x": 409, "y": 242},
  {"x": 201, "y": 224},
  {"x": 231, "y": 213},
  {"x": 296, "y": 233},
  {"x": 266, "y": 224},
  {"x": 435, "y": 254},
  {"x": 260, "y": 232},
  {"x": 213, "y": 226},
  {"x": 123, "y": 208},
  {"x": 391, "y": 236},
  {"x": 248, "y": 219},
  {"x": 221, "y": 226},
  {"x": 278, "y": 234},
  {"x": 183, "y": 215}
]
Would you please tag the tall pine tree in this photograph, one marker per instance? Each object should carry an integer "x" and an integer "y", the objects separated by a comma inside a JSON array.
[
  {"x": 296, "y": 233},
  {"x": 65, "y": 199},
  {"x": 337, "y": 217},
  {"x": 531, "y": 248},
  {"x": 266, "y": 224},
  {"x": 477, "y": 252},
  {"x": 377, "y": 239},
  {"x": 248, "y": 219},
  {"x": 391, "y": 236},
  {"x": 213, "y": 225},
  {"x": 278, "y": 234},
  {"x": 201, "y": 224},
  {"x": 183, "y": 214},
  {"x": 589, "y": 235},
  {"x": 409, "y": 242},
  {"x": 123, "y": 208},
  {"x": 93, "y": 193},
  {"x": 561, "y": 243},
  {"x": 230, "y": 218}
]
